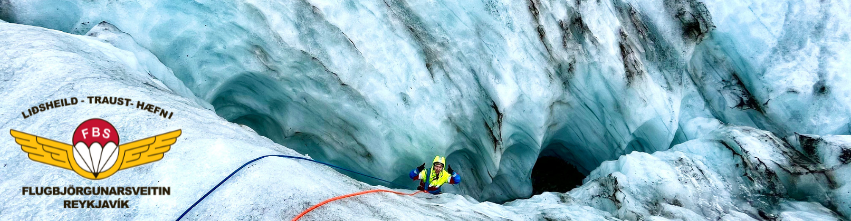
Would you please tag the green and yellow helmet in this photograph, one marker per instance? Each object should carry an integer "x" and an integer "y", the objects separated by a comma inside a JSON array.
[{"x": 438, "y": 159}]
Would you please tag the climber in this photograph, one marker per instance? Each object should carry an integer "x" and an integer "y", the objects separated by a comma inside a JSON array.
[{"x": 437, "y": 174}]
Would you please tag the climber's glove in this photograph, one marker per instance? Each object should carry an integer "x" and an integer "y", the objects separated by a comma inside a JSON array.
[{"x": 421, "y": 168}]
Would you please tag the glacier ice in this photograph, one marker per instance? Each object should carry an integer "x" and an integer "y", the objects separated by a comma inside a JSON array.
[
  {"x": 210, "y": 148},
  {"x": 696, "y": 180},
  {"x": 737, "y": 169},
  {"x": 301, "y": 74},
  {"x": 149, "y": 63},
  {"x": 834, "y": 152},
  {"x": 497, "y": 84},
  {"x": 784, "y": 72}
]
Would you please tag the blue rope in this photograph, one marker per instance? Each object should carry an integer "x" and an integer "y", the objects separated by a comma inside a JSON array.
[{"x": 282, "y": 156}]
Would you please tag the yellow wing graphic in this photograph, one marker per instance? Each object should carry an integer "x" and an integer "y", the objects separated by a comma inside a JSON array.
[
  {"x": 44, "y": 150},
  {"x": 147, "y": 150}
]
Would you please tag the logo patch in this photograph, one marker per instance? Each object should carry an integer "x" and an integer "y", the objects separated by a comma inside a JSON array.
[{"x": 96, "y": 152}]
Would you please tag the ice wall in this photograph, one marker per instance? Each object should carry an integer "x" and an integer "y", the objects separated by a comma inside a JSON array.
[
  {"x": 382, "y": 86},
  {"x": 834, "y": 152},
  {"x": 728, "y": 173},
  {"x": 208, "y": 150},
  {"x": 780, "y": 66},
  {"x": 732, "y": 170},
  {"x": 147, "y": 62}
]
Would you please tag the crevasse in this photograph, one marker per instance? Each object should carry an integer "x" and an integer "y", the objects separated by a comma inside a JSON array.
[{"x": 382, "y": 86}]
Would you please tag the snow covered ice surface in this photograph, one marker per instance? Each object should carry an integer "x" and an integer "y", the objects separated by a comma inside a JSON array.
[{"x": 674, "y": 109}]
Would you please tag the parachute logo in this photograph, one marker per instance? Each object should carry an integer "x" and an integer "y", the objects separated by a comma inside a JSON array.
[
  {"x": 97, "y": 152},
  {"x": 96, "y": 158}
]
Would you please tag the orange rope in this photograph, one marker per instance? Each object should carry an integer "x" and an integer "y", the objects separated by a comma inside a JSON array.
[{"x": 350, "y": 195}]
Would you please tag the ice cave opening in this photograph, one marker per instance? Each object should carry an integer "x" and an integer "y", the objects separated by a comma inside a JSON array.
[{"x": 554, "y": 174}]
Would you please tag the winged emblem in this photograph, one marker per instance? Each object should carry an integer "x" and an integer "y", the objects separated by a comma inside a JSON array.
[{"x": 95, "y": 161}]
